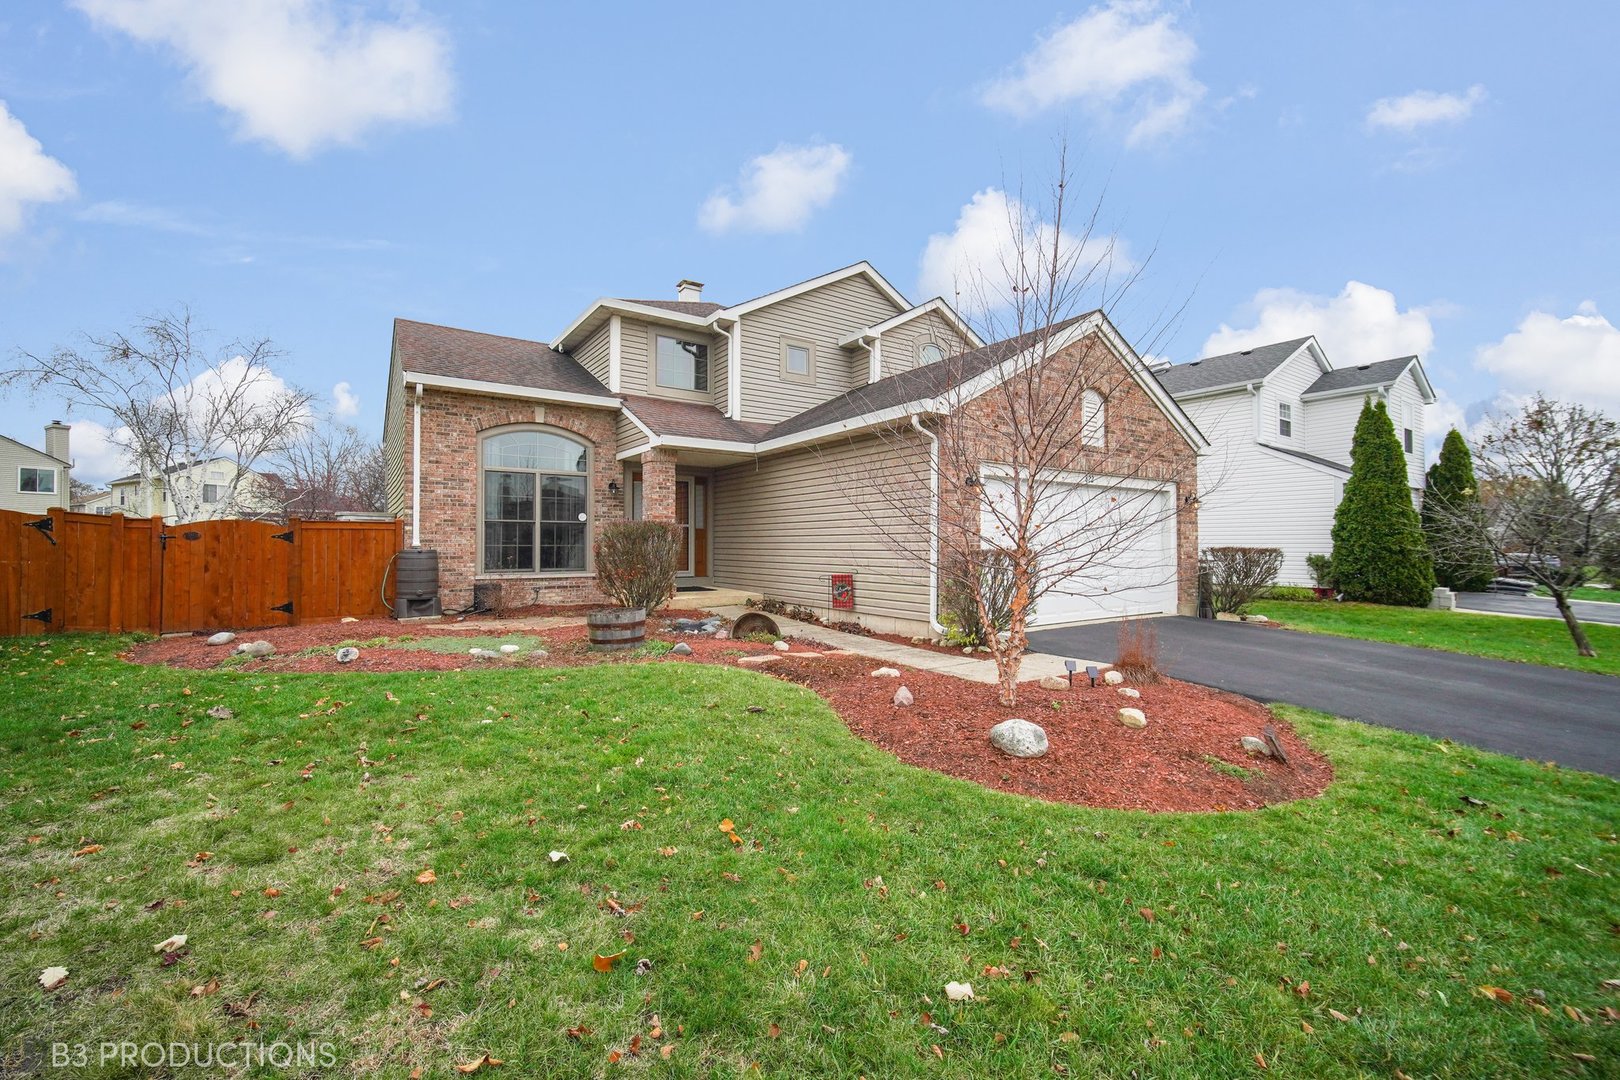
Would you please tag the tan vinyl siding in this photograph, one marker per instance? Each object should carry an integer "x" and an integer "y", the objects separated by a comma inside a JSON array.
[
  {"x": 900, "y": 345},
  {"x": 396, "y": 438},
  {"x": 627, "y": 435},
  {"x": 594, "y": 354},
  {"x": 13, "y": 457},
  {"x": 821, "y": 316},
  {"x": 719, "y": 370},
  {"x": 783, "y": 524},
  {"x": 633, "y": 377}
]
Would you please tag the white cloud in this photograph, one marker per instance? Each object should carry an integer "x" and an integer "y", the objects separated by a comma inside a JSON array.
[
  {"x": 1574, "y": 359},
  {"x": 973, "y": 265},
  {"x": 296, "y": 73},
  {"x": 28, "y": 174},
  {"x": 1361, "y": 325},
  {"x": 345, "y": 402},
  {"x": 97, "y": 452},
  {"x": 1422, "y": 108},
  {"x": 778, "y": 191},
  {"x": 1125, "y": 57}
]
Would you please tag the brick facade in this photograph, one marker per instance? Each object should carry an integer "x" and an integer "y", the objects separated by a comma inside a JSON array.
[
  {"x": 1139, "y": 443},
  {"x": 451, "y": 425},
  {"x": 658, "y": 484}
]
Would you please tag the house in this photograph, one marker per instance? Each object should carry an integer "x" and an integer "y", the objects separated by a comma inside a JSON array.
[
  {"x": 749, "y": 426},
  {"x": 194, "y": 491},
  {"x": 1280, "y": 419},
  {"x": 33, "y": 481},
  {"x": 94, "y": 502}
]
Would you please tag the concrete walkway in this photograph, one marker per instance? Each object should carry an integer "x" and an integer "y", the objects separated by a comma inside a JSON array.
[{"x": 1035, "y": 666}]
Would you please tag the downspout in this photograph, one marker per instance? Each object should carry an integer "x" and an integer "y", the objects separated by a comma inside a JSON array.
[
  {"x": 933, "y": 524},
  {"x": 733, "y": 368},
  {"x": 874, "y": 370},
  {"x": 416, "y": 471}
]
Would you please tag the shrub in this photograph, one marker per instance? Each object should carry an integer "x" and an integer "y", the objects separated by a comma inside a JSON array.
[
  {"x": 1454, "y": 521},
  {"x": 1137, "y": 654},
  {"x": 1321, "y": 568},
  {"x": 988, "y": 577},
  {"x": 1238, "y": 574},
  {"x": 1287, "y": 592},
  {"x": 636, "y": 562},
  {"x": 1379, "y": 554}
]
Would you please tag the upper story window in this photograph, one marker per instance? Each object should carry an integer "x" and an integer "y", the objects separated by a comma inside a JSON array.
[
  {"x": 929, "y": 352},
  {"x": 1410, "y": 415},
  {"x": 1093, "y": 419},
  {"x": 534, "y": 502},
  {"x": 682, "y": 365},
  {"x": 210, "y": 493},
  {"x": 798, "y": 361},
  {"x": 1285, "y": 419},
  {"x": 36, "y": 481},
  {"x": 1406, "y": 439}
]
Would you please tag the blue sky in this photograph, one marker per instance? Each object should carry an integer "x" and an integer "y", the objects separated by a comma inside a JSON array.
[{"x": 1431, "y": 178}]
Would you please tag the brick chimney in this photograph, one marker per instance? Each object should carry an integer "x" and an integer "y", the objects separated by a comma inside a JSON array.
[
  {"x": 688, "y": 291},
  {"x": 56, "y": 440}
]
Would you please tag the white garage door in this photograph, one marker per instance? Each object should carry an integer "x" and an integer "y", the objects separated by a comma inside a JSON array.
[{"x": 1117, "y": 542}]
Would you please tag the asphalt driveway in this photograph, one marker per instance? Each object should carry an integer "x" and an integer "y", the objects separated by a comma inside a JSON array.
[
  {"x": 1540, "y": 606},
  {"x": 1542, "y": 713}
]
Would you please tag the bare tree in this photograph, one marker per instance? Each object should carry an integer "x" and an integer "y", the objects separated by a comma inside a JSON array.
[
  {"x": 1549, "y": 488},
  {"x": 331, "y": 469},
  {"x": 1046, "y": 468},
  {"x": 173, "y": 403}
]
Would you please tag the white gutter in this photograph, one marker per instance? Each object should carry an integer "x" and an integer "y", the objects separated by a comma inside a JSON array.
[
  {"x": 416, "y": 471},
  {"x": 733, "y": 368},
  {"x": 532, "y": 393},
  {"x": 615, "y": 351},
  {"x": 933, "y": 524}
]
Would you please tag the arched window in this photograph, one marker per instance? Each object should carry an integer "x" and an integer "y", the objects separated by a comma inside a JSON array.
[
  {"x": 929, "y": 352},
  {"x": 535, "y": 493},
  {"x": 1093, "y": 419}
]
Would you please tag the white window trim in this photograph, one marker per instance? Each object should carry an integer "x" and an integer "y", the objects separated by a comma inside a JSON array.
[
  {"x": 590, "y": 504},
  {"x": 1285, "y": 415},
  {"x": 36, "y": 469},
  {"x": 1094, "y": 430},
  {"x": 807, "y": 378},
  {"x": 658, "y": 389}
]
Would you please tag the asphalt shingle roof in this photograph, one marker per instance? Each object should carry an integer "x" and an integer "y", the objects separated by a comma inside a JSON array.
[
  {"x": 917, "y": 384},
  {"x": 467, "y": 354},
  {"x": 702, "y": 309},
  {"x": 1250, "y": 365},
  {"x": 1348, "y": 378},
  {"x": 690, "y": 419},
  {"x": 1339, "y": 466}
]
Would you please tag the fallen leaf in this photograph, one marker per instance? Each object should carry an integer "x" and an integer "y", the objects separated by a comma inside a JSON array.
[
  {"x": 755, "y": 951},
  {"x": 774, "y": 1031},
  {"x": 371, "y": 943},
  {"x": 1260, "y": 1060},
  {"x": 558, "y": 856},
  {"x": 666, "y": 1050},
  {"x": 170, "y": 944},
  {"x": 88, "y": 849},
  {"x": 1306, "y": 1028},
  {"x": 667, "y": 851},
  {"x": 1497, "y": 993},
  {"x": 1339, "y": 1016},
  {"x": 958, "y": 991},
  {"x": 52, "y": 977},
  {"x": 1146, "y": 913},
  {"x": 800, "y": 967},
  {"x": 578, "y": 1032},
  {"x": 478, "y": 1063},
  {"x": 1575, "y": 1014},
  {"x": 1068, "y": 1037},
  {"x": 206, "y": 989},
  {"x": 726, "y": 825},
  {"x": 605, "y": 963},
  {"x": 426, "y": 877},
  {"x": 272, "y": 892}
]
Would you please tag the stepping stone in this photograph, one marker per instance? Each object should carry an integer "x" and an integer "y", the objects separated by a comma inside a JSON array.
[{"x": 756, "y": 659}]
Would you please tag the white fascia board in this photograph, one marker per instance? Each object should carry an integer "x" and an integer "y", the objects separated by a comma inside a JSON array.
[
  {"x": 1421, "y": 377},
  {"x": 531, "y": 393},
  {"x": 634, "y": 451},
  {"x": 938, "y": 304},
  {"x": 1215, "y": 391},
  {"x": 844, "y": 427},
  {"x": 1379, "y": 388},
  {"x": 862, "y": 267},
  {"x": 652, "y": 438},
  {"x": 1318, "y": 354},
  {"x": 624, "y": 307},
  {"x": 998, "y": 471}
]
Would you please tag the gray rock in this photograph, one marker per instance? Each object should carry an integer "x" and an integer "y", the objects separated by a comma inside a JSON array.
[
  {"x": 1053, "y": 682},
  {"x": 780, "y": 646},
  {"x": 510, "y": 650},
  {"x": 483, "y": 654},
  {"x": 1133, "y": 718},
  {"x": 1019, "y": 738},
  {"x": 681, "y": 649},
  {"x": 903, "y": 697},
  {"x": 256, "y": 650},
  {"x": 722, "y": 634},
  {"x": 348, "y": 654},
  {"x": 538, "y": 654},
  {"x": 1255, "y": 618},
  {"x": 1255, "y": 745},
  {"x": 1112, "y": 677},
  {"x": 1127, "y": 691},
  {"x": 222, "y": 712},
  {"x": 886, "y": 673},
  {"x": 224, "y": 637}
]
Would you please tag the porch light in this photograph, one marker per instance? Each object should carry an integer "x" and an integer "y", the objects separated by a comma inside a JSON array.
[
  {"x": 613, "y": 487},
  {"x": 973, "y": 480}
]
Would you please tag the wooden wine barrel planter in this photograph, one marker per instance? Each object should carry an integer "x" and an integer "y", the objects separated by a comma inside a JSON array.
[{"x": 613, "y": 629}]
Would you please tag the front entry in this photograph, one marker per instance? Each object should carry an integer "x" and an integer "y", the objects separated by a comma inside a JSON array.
[{"x": 691, "y": 518}]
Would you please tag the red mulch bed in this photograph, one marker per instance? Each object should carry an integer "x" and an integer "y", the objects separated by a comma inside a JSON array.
[
  {"x": 1094, "y": 760},
  {"x": 902, "y": 639}
]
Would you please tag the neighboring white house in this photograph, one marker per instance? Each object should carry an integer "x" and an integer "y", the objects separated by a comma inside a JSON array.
[
  {"x": 34, "y": 481},
  {"x": 1280, "y": 419},
  {"x": 204, "y": 484}
]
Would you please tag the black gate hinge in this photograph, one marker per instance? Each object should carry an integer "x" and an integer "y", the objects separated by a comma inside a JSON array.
[
  {"x": 287, "y": 536},
  {"x": 43, "y": 615},
  {"x": 46, "y": 527},
  {"x": 287, "y": 607}
]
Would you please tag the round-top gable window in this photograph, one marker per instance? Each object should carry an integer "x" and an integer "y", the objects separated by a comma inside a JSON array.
[{"x": 930, "y": 352}]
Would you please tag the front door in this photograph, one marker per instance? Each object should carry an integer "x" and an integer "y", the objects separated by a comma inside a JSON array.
[{"x": 691, "y": 518}]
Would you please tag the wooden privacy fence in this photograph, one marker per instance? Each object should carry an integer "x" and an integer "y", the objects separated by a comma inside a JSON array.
[{"x": 64, "y": 571}]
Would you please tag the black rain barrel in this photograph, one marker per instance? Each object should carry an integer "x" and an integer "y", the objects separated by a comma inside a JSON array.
[{"x": 416, "y": 584}]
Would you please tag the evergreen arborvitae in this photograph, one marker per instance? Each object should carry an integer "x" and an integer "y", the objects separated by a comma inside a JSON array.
[
  {"x": 1454, "y": 523},
  {"x": 1378, "y": 550}
]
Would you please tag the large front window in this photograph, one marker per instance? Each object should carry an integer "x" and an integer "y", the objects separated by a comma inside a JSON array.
[
  {"x": 683, "y": 365},
  {"x": 534, "y": 502}
]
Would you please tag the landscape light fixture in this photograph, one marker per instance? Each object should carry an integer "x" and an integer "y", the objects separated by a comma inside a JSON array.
[
  {"x": 613, "y": 487},
  {"x": 1092, "y": 673},
  {"x": 1070, "y": 666}
]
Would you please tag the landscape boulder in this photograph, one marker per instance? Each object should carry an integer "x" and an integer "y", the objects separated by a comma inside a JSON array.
[
  {"x": 1255, "y": 745},
  {"x": 1053, "y": 682},
  {"x": 780, "y": 646},
  {"x": 1133, "y": 718},
  {"x": 1128, "y": 691},
  {"x": 886, "y": 673},
  {"x": 1019, "y": 738},
  {"x": 348, "y": 654},
  {"x": 256, "y": 650},
  {"x": 1112, "y": 677},
  {"x": 538, "y": 654},
  {"x": 510, "y": 650},
  {"x": 903, "y": 697},
  {"x": 224, "y": 637},
  {"x": 681, "y": 649},
  {"x": 483, "y": 654}
]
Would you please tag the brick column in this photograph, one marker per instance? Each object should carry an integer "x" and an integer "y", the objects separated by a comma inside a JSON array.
[{"x": 658, "y": 485}]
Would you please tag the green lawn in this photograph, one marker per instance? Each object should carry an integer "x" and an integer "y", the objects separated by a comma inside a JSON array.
[
  {"x": 1587, "y": 592},
  {"x": 1531, "y": 641},
  {"x": 1132, "y": 944}
]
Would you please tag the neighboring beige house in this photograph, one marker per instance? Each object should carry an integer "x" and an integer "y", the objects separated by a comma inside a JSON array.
[
  {"x": 749, "y": 426},
  {"x": 1280, "y": 419},
  {"x": 97, "y": 502},
  {"x": 33, "y": 481},
  {"x": 204, "y": 484}
]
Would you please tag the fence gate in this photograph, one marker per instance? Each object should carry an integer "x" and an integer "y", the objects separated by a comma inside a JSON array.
[{"x": 65, "y": 571}]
